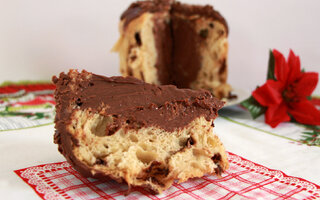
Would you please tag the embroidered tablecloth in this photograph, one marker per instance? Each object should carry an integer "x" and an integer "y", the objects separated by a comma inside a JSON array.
[
  {"x": 26, "y": 104},
  {"x": 244, "y": 180},
  {"x": 32, "y": 167}
]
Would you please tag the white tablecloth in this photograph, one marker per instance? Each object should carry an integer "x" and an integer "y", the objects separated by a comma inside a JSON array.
[{"x": 33, "y": 146}]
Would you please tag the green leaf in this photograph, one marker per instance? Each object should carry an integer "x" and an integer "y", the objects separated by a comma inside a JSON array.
[
  {"x": 271, "y": 64},
  {"x": 311, "y": 127},
  {"x": 253, "y": 107},
  {"x": 309, "y": 98},
  {"x": 311, "y": 138}
]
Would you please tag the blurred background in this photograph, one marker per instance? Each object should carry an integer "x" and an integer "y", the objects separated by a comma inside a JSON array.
[{"x": 41, "y": 38}]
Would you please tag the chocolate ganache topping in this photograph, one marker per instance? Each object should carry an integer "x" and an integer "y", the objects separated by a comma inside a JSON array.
[
  {"x": 136, "y": 9},
  {"x": 131, "y": 101}
]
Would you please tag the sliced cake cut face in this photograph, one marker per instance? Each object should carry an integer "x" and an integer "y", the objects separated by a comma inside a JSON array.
[
  {"x": 141, "y": 54},
  {"x": 134, "y": 132},
  {"x": 167, "y": 42}
]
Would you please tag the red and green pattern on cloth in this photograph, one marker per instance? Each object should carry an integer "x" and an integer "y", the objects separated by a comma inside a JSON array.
[
  {"x": 243, "y": 180},
  {"x": 26, "y": 104}
]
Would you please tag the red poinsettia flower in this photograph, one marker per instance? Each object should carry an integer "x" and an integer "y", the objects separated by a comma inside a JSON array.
[{"x": 286, "y": 96}]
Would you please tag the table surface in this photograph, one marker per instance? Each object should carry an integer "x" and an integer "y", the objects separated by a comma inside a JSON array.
[{"x": 254, "y": 140}]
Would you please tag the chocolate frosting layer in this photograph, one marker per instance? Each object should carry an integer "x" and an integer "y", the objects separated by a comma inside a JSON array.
[
  {"x": 132, "y": 102},
  {"x": 203, "y": 11},
  {"x": 136, "y": 9}
]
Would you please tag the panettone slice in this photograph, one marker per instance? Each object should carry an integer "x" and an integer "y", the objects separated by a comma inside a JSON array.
[{"x": 134, "y": 132}]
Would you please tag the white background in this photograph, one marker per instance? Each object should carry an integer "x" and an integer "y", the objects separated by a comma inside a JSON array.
[{"x": 41, "y": 38}]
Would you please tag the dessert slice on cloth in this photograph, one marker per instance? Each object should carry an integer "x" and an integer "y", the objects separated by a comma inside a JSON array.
[
  {"x": 167, "y": 42},
  {"x": 139, "y": 133}
]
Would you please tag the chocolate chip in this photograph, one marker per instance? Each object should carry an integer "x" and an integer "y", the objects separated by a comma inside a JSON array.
[
  {"x": 212, "y": 124},
  {"x": 218, "y": 170},
  {"x": 138, "y": 39},
  {"x": 99, "y": 161},
  {"x": 78, "y": 102},
  {"x": 156, "y": 181},
  {"x": 190, "y": 142},
  {"x": 216, "y": 158},
  {"x": 156, "y": 168},
  {"x": 220, "y": 32},
  {"x": 204, "y": 33},
  {"x": 155, "y": 172},
  {"x": 211, "y": 25},
  {"x": 133, "y": 58}
]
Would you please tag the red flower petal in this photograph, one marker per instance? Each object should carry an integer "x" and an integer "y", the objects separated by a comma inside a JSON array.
[
  {"x": 306, "y": 84},
  {"x": 304, "y": 112},
  {"x": 281, "y": 69},
  {"x": 269, "y": 93},
  {"x": 277, "y": 114},
  {"x": 294, "y": 66},
  {"x": 315, "y": 101}
]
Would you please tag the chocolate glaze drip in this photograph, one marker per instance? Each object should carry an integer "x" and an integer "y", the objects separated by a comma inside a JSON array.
[
  {"x": 177, "y": 42},
  {"x": 133, "y": 102}
]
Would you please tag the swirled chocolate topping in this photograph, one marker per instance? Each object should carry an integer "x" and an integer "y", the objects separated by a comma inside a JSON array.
[
  {"x": 131, "y": 101},
  {"x": 138, "y": 8}
]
